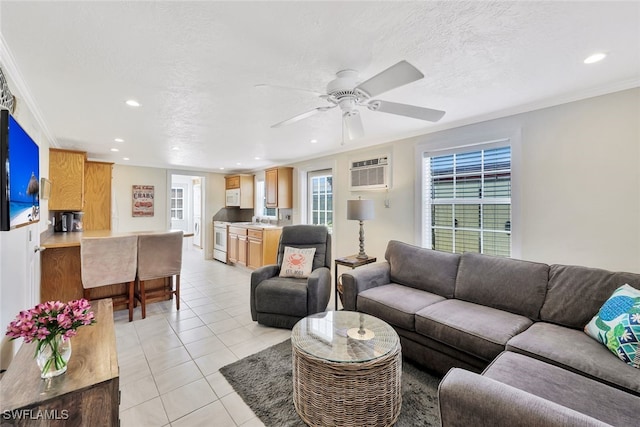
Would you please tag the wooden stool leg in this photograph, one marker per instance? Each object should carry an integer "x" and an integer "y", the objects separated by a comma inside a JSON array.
[
  {"x": 143, "y": 300},
  {"x": 177, "y": 292},
  {"x": 131, "y": 298}
]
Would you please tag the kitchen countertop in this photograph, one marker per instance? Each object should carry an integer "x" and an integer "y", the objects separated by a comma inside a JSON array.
[
  {"x": 71, "y": 239},
  {"x": 255, "y": 226}
]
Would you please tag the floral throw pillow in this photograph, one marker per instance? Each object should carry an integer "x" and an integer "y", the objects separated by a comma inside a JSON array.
[
  {"x": 617, "y": 324},
  {"x": 297, "y": 262}
]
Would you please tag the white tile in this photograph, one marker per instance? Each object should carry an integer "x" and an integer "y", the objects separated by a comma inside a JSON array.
[
  {"x": 236, "y": 336},
  {"x": 150, "y": 413},
  {"x": 186, "y": 399},
  {"x": 224, "y": 326},
  {"x": 196, "y": 334},
  {"x": 236, "y": 407},
  {"x": 212, "y": 362},
  {"x": 177, "y": 376},
  {"x": 219, "y": 383},
  {"x": 205, "y": 346},
  {"x": 138, "y": 392},
  {"x": 168, "y": 359},
  {"x": 214, "y": 414},
  {"x": 253, "y": 422}
]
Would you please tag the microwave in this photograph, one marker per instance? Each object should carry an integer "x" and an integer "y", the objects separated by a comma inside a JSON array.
[{"x": 232, "y": 197}]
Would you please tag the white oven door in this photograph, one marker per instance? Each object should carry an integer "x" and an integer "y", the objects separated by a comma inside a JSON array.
[{"x": 220, "y": 243}]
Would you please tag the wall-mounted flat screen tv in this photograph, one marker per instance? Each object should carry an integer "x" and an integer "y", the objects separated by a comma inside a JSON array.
[{"x": 20, "y": 175}]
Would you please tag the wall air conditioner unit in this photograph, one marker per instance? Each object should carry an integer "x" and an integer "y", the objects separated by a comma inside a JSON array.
[{"x": 370, "y": 174}]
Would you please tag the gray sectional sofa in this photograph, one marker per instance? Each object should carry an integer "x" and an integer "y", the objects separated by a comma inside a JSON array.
[{"x": 519, "y": 323}]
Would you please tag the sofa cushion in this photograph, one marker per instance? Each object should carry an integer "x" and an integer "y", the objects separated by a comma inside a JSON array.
[
  {"x": 395, "y": 304},
  {"x": 574, "y": 350},
  {"x": 575, "y": 294},
  {"x": 617, "y": 325},
  {"x": 282, "y": 295},
  {"x": 297, "y": 262},
  {"x": 422, "y": 268},
  {"x": 566, "y": 388},
  {"x": 473, "y": 328},
  {"x": 507, "y": 284}
]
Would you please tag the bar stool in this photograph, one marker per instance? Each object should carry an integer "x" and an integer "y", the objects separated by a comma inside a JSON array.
[
  {"x": 109, "y": 261},
  {"x": 159, "y": 256}
]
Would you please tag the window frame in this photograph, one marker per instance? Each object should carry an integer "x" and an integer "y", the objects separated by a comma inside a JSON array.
[
  {"x": 310, "y": 178},
  {"x": 472, "y": 138}
]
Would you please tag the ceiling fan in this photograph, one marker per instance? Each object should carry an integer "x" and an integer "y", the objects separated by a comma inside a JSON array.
[{"x": 347, "y": 93}]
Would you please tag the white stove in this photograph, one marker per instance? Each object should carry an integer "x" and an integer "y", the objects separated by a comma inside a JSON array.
[{"x": 220, "y": 240}]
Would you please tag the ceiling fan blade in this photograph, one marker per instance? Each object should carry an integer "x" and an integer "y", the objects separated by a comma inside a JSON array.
[
  {"x": 290, "y": 88},
  {"x": 421, "y": 113},
  {"x": 353, "y": 123},
  {"x": 395, "y": 76},
  {"x": 302, "y": 116}
]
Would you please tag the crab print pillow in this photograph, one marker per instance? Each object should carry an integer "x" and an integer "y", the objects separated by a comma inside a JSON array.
[
  {"x": 617, "y": 324},
  {"x": 297, "y": 262}
]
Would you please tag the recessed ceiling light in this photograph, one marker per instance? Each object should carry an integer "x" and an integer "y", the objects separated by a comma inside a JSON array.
[
  {"x": 596, "y": 57},
  {"x": 175, "y": 148},
  {"x": 221, "y": 169},
  {"x": 132, "y": 103},
  {"x": 119, "y": 140},
  {"x": 238, "y": 164},
  {"x": 256, "y": 158},
  {"x": 125, "y": 158},
  {"x": 313, "y": 141},
  {"x": 115, "y": 150}
]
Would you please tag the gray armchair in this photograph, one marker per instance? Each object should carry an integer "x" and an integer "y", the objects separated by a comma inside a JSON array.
[{"x": 282, "y": 301}]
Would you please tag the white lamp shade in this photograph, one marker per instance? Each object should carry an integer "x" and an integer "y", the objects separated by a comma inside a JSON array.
[{"x": 360, "y": 210}]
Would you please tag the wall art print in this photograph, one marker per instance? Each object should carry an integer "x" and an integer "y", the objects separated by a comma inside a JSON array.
[{"x": 142, "y": 202}]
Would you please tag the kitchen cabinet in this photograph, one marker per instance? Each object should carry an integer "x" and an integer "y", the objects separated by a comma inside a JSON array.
[
  {"x": 242, "y": 249},
  {"x": 66, "y": 173},
  {"x": 262, "y": 246},
  {"x": 243, "y": 184},
  {"x": 278, "y": 187},
  {"x": 97, "y": 196},
  {"x": 233, "y": 244}
]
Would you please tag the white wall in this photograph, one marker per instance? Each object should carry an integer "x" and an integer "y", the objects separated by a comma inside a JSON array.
[
  {"x": 576, "y": 171},
  {"x": 19, "y": 265}
]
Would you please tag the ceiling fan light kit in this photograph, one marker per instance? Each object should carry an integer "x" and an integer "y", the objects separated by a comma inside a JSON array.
[{"x": 345, "y": 92}]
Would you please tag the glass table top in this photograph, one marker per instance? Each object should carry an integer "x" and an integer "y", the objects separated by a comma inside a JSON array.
[{"x": 344, "y": 336}]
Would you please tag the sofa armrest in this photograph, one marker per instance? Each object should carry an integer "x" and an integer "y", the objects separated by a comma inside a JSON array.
[
  {"x": 361, "y": 279},
  {"x": 466, "y": 399},
  {"x": 258, "y": 275}
]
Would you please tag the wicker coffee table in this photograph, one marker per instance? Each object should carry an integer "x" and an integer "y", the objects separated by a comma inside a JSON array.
[{"x": 347, "y": 368}]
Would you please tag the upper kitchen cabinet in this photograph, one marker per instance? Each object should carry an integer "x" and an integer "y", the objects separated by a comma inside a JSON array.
[
  {"x": 66, "y": 173},
  {"x": 278, "y": 187},
  {"x": 239, "y": 191},
  {"x": 97, "y": 195}
]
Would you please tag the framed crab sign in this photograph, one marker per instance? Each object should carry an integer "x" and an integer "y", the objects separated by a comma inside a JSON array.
[{"x": 142, "y": 203}]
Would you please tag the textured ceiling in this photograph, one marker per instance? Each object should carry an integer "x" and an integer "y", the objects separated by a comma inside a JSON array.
[{"x": 194, "y": 65}]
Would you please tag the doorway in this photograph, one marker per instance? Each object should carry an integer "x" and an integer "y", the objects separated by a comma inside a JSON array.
[{"x": 186, "y": 206}]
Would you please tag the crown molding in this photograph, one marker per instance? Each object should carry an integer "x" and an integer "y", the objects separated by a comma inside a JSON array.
[{"x": 13, "y": 74}]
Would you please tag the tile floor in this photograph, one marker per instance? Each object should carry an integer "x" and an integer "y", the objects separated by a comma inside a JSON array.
[{"x": 169, "y": 361}]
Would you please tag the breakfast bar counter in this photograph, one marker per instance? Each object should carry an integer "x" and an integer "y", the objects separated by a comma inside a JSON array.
[{"x": 61, "y": 268}]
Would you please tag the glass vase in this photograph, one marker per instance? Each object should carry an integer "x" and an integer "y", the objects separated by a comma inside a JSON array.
[{"x": 52, "y": 356}]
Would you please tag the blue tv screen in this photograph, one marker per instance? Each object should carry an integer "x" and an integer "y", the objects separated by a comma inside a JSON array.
[{"x": 20, "y": 199}]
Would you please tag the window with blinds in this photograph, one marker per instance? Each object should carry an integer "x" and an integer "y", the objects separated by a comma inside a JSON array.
[{"x": 468, "y": 201}]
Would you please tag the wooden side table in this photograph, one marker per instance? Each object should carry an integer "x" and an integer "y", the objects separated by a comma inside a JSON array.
[{"x": 348, "y": 261}]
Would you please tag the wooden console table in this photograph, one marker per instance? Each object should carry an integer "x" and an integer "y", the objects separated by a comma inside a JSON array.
[{"x": 86, "y": 395}]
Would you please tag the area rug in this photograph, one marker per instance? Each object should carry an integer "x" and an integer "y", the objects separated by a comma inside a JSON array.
[{"x": 264, "y": 382}]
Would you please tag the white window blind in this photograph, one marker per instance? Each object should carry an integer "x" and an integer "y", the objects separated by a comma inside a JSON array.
[{"x": 468, "y": 201}]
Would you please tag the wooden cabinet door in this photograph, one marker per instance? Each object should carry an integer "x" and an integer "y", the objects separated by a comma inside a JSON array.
[
  {"x": 97, "y": 196},
  {"x": 232, "y": 248},
  {"x": 242, "y": 250},
  {"x": 254, "y": 249},
  {"x": 271, "y": 187},
  {"x": 66, "y": 173}
]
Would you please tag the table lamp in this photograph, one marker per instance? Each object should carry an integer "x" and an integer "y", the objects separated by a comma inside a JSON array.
[{"x": 360, "y": 210}]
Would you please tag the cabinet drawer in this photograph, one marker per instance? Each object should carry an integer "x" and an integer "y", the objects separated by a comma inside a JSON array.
[
  {"x": 256, "y": 234},
  {"x": 241, "y": 231}
]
